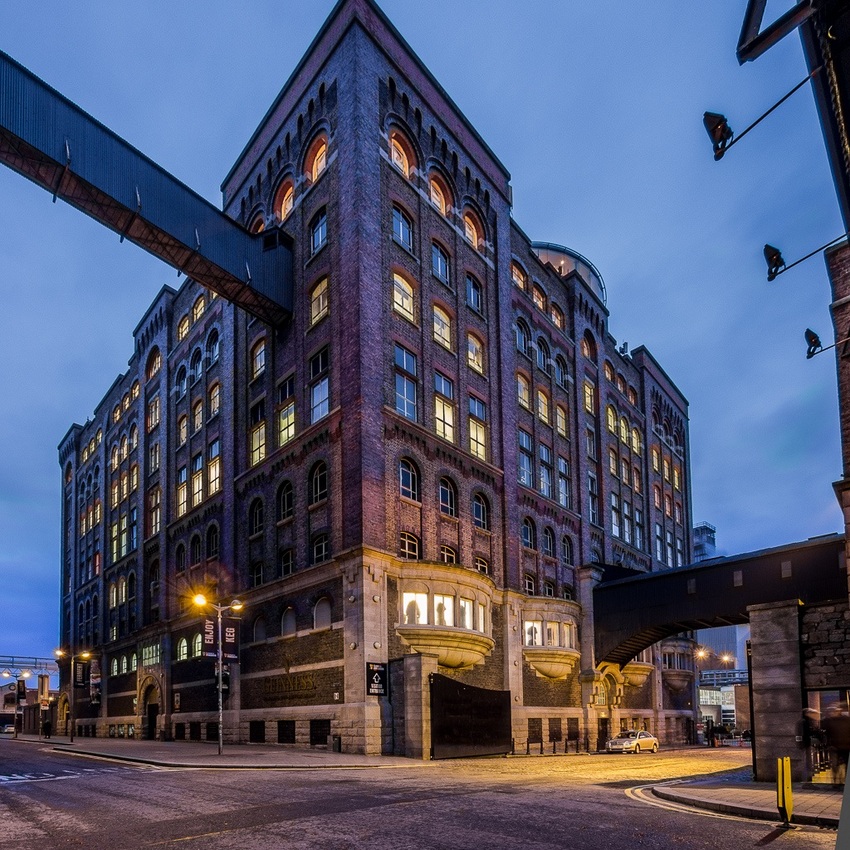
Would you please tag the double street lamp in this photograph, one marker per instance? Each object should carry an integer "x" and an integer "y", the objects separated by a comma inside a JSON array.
[
  {"x": 83, "y": 656},
  {"x": 201, "y": 601}
]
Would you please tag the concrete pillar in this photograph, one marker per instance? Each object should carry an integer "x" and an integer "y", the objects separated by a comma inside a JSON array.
[
  {"x": 417, "y": 705},
  {"x": 777, "y": 687},
  {"x": 587, "y": 578}
]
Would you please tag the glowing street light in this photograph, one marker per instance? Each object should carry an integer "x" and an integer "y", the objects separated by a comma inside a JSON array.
[
  {"x": 201, "y": 601},
  {"x": 85, "y": 655}
]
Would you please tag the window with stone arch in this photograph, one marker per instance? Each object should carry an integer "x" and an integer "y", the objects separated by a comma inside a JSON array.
[
  {"x": 284, "y": 199},
  {"x": 182, "y": 328},
  {"x": 258, "y": 224},
  {"x": 523, "y": 337},
  {"x": 288, "y": 625},
  {"x": 285, "y": 501},
  {"x": 438, "y": 192},
  {"x": 212, "y": 347},
  {"x": 258, "y": 359},
  {"x": 539, "y": 297},
  {"x": 322, "y": 614},
  {"x": 519, "y": 277},
  {"x": 182, "y": 649},
  {"x": 256, "y": 517},
  {"x": 528, "y": 534},
  {"x": 480, "y": 512},
  {"x": 473, "y": 230},
  {"x": 318, "y": 483},
  {"x": 557, "y": 316},
  {"x": 402, "y": 155},
  {"x": 154, "y": 364},
  {"x": 196, "y": 366},
  {"x": 448, "y": 497},
  {"x": 316, "y": 160},
  {"x": 198, "y": 308},
  {"x": 588, "y": 346},
  {"x": 403, "y": 297}
]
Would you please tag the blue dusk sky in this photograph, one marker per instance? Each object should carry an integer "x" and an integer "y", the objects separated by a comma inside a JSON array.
[{"x": 595, "y": 109}]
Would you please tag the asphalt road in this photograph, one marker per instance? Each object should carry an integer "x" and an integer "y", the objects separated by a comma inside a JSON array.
[{"x": 53, "y": 801}]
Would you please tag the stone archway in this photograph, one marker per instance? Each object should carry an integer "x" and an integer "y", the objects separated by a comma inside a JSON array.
[
  {"x": 150, "y": 706},
  {"x": 63, "y": 715}
]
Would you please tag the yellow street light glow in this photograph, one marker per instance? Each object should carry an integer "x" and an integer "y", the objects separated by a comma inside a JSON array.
[
  {"x": 200, "y": 600},
  {"x": 236, "y": 605}
]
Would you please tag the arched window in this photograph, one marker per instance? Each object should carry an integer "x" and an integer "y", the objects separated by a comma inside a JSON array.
[
  {"x": 317, "y": 158},
  {"x": 134, "y": 437},
  {"x": 198, "y": 308},
  {"x": 402, "y": 227},
  {"x": 258, "y": 225},
  {"x": 528, "y": 534},
  {"x": 319, "y": 301},
  {"x": 588, "y": 345},
  {"x": 287, "y": 623},
  {"x": 557, "y": 316},
  {"x": 482, "y": 566},
  {"x": 523, "y": 337},
  {"x": 154, "y": 364},
  {"x": 543, "y": 354},
  {"x": 320, "y": 551},
  {"x": 543, "y": 406},
  {"x": 448, "y": 497},
  {"x": 182, "y": 649},
  {"x": 123, "y": 447},
  {"x": 214, "y": 399},
  {"x": 322, "y": 614},
  {"x": 548, "y": 542},
  {"x": 284, "y": 199},
  {"x": 196, "y": 366},
  {"x": 538, "y": 296},
  {"x": 519, "y": 277},
  {"x": 131, "y": 589},
  {"x": 566, "y": 551},
  {"x": 182, "y": 429},
  {"x": 637, "y": 446},
  {"x": 561, "y": 371},
  {"x": 611, "y": 419},
  {"x": 180, "y": 558},
  {"x": 123, "y": 663},
  {"x": 475, "y": 353},
  {"x": 624, "y": 430},
  {"x": 408, "y": 480},
  {"x": 523, "y": 389},
  {"x": 285, "y": 501},
  {"x": 448, "y": 555},
  {"x": 472, "y": 229},
  {"x": 439, "y": 193},
  {"x": 113, "y": 596},
  {"x": 442, "y": 327},
  {"x": 401, "y": 153},
  {"x": 113, "y": 667},
  {"x": 256, "y": 517},
  {"x": 259, "y": 628},
  {"x": 474, "y": 294},
  {"x": 409, "y": 546},
  {"x": 195, "y": 550},
  {"x": 182, "y": 328},
  {"x": 318, "y": 483},
  {"x": 440, "y": 264},
  {"x": 134, "y": 663},
  {"x": 608, "y": 370},
  {"x": 197, "y": 645},
  {"x": 258, "y": 359},
  {"x": 180, "y": 382},
  {"x": 403, "y": 300},
  {"x": 197, "y": 416},
  {"x": 212, "y": 347},
  {"x": 480, "y": 512},
  {"x": 212, "y": 541}
]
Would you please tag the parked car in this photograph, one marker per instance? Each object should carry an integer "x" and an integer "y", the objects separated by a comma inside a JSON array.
[
  {"x": 7, "y": 729},
  {"x": 633, "y": 741}
]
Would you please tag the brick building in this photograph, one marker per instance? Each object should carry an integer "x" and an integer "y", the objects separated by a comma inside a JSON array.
[{"x": 407, "y": 472}]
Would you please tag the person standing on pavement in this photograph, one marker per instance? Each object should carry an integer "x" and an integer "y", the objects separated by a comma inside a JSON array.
[{"x": 836, "y": 729}]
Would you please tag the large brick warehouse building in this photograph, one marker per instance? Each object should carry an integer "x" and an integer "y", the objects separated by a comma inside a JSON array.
[{"x": 418, "y": 469}]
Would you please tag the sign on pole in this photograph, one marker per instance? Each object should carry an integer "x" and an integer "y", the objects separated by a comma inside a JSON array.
[
  {"x": 229, "y": 638},
  {"x": 376, "y": 679}
]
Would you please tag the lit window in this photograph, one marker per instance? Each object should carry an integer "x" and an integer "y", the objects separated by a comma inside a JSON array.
[
  {"x": 182, "y": 430},
  {"x": 439, "y": 193},
  {"x": 319, "y": 232},
  {"x": 542, "y": 406},
  {"x": 408, "y": 480},
  {"x": 405, "y": 383},
  {"x": 215, "y": 400},
  {"x": 523, "y": 389},
  {"x": 442, "y": 327},
  {"x": 474, "y": 294},
  {"x": 154, "y": 511},
  {"x": 472, "y": 229},
  {"x": 636, "y": 441},
  {"x": 656, "y": 459},
  {"x": 677, "y": 478},
  {"x": 444, "y": 605},
  {"x": 656, "y": 496},
  {"x": 448, "y": 556},
  {"x": 538, "y": 297},
  {"x": 561, "y": 421},
  {"x": 319, "y": 301},
  {"x": 532, "y": 629},
  {"x": 439, "y": 263},
  {"x": 258, "y": 359},
  {"x": 519, "y": 277},
  {"x": 317, "y": 159},
  {"x": 483, "y": 567},
  {"x": 589, "y": 397},
  {"x": 611, "y": 419},
  {"x": 615, "y": 515},
  {"x": 588, "y": 346},
  {"x": 153, "y": 413},
  {"x": 632, "y": 395},
  {"x": 214, "y": 467},
  {"x": 197, "y": 416},
  {"x": 182, "y": 491},
  {"x": 284, "y": 200},
  {"x": 116, "y": 413},
  {"x": 415, "y": 608},
  {"x": 609, "y": 371},
  {"x": 443, "y": 407},
  {"x": 477, "y": 428},
  {"x": 182, "y": 649},
  {"x": 182, "y": 328},
  {"x": 613, "y": 466},
  {"x": 196, "y": 645},
  {"x": 154, "y": 364},
  {"x": 448, "y": 498},
  {"x": 557, "y": 316},
  {"x": 525, "y": 459},
  {"x": 402, "y": 228},
  {"x": 624, "y": 430},
  {"x": 523, "y": 338},
  {"x": 257, "y": 418},
  {"x": 197, "y": 479},
  {"x": 401, "y": 153},
  {"x": 198, "y": 308},
  {"x": 402, "y": 297},
  {"x": 258, "y": 225}
]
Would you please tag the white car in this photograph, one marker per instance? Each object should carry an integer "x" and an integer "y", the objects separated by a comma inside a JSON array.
[
  {"x": 8, "y": 729},
  {"x": 633, "y": 741}
]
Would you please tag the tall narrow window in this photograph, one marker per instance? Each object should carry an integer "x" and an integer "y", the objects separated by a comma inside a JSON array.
[
  {"x": 317, "y": 158},
  {"x": 284, "y": 200},
  {"x": 214, "y": 467},
  {"x": 258, "y": 432},
  {"x": 197, "y": 479},
  {"x": 319, "y": 232},
  {"x": 405, "y": 382},
  {"x": 472, "y": 229},
  {"x": 318, "y": 483},
  {"x": 564, "y": 490},
  {"x": 523, "y": 389},
  {"x": 319, "y": 301},
  {"x": 256, "y": 517},
  {"x": 402, "y": 228},
  {"x": 480, "y": 512},
  {"x": 474, "y": 294},
  {"x": 286, "y": 411},
  {"x": 403, "y": 302},
  {"x": 545, "y": 477},
  {"x": 258, "y": 359},
  {"x": 448, "y": 497},
  {"x": 528, "y": 534},
  {"x": 214, "y": 399},
  {"x": 561, "y": 421},
  {"x": 542, "y": 406},
  {"x": 285, "y": 501},
  {"x": 401, "y": 153},
  {"x": 320, "y": 388},
  {"x": 592, "y": 498},
  {"x": 525, "y": 459},
  {"x": 408, "y": 480},
  {"x": 442, "y": 327},
  {"x": 444, "y": 407},
  {"x": 182, "y": 491},
  {"x": 440, "y": 263},
  {"x": 475, "y": 353},
  {"x": 477, "y": 428}
]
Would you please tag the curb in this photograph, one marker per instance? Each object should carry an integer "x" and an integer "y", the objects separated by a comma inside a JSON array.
[{"x": 742, "y": 811}]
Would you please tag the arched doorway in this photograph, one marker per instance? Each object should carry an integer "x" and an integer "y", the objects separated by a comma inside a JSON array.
[
  {"x": 150, "y": 703},
  {"x": 63, "y": 715}
]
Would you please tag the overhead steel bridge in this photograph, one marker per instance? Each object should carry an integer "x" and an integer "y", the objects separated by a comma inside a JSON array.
[
  {"x": 630, "y": 614},
  {"x": 57, "y": 145}
]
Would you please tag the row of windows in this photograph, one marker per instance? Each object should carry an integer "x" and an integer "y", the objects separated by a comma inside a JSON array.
[
  {"x": 409, "y": 488},
  {"x": 549, "y": 633},
  {"x": 121, "y": 450},
  {"x": 124, "y": 405},
  {"x": 404, "y": 159},
  {"x": 543, "y": 405},
  {"x": 443, "y": 609},
  {"x": 124, "y": 665},
  {"x": 322, "y": 619},
  {"x": 627, "y": 522},
  {"x": 195, "y": 552},
  {"x": 189, "y": 319},
  {"x": 672, "y": 472},
  {"x": 123, "y": 485},
  {"x": 406, "y": 403},
  {"x": 196, "y": 365},
  {"x": 538, "y": 296},
  {"x": 619, "y": 426},
  {"x": 528, "y": 538},
  {"x": 190, "y": 479},
  {"x": 410, "y": 548},
  {"x": 540, "y": 350},
  {"x": 553, "y": 472},
  {"x": 317, "y": 490},
  {"x": 88, "y": 450},
  {"x": 627, "y": 390}
]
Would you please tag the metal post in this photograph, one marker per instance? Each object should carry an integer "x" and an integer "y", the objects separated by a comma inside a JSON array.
[
  {"x": 71, "y": 702},
  {"x": 220, "y": 673}
]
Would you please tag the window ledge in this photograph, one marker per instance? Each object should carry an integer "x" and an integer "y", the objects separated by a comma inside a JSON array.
[{"x": 408, "y": 249}]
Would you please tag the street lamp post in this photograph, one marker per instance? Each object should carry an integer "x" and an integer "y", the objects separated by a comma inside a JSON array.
[
  {"x": 60, "y": 653},
  {"x": 201, "y": 601}
]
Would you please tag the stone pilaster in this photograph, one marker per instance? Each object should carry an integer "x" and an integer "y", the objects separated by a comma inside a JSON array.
[{"x": 417, "y": 705}]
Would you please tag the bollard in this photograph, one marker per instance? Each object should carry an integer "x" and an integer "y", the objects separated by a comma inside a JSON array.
[
  {"x": 528, "y": 747},
  {"x": 513, "y": 746},
  {"x": 784, "y": 794}
]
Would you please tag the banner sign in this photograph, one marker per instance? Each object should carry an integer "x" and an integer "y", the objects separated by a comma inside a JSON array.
[
  {"x": 81, "y": 674},
  {"x": 229, "y": 638},
  {"x": 22, "y": 691}
]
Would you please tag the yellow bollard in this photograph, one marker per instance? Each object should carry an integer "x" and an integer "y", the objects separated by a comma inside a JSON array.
[{"x": 784, "y": 794}]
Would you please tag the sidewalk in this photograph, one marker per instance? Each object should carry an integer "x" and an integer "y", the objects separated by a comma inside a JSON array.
[{"x": 731, "y": 794}]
